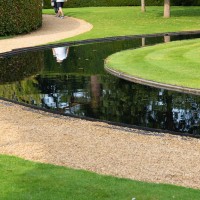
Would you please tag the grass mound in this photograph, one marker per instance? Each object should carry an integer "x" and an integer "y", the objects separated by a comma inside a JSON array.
[{"x": 175, "y": 63}]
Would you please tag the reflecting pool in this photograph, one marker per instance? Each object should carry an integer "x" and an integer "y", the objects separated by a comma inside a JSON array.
[{"x": 72, "y": 80}]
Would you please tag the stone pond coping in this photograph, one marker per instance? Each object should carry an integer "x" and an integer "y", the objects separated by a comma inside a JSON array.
[{"x": 134, "y": 79}]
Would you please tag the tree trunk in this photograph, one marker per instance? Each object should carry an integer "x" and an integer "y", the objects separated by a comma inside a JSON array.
[
  {"x": 167, "y": 38},
  {"x": 143, "y": 9},
  {"x": 166, "y": 8},
  {"x": 143, "y": 42},
  {"x": 96, "y": 92}
]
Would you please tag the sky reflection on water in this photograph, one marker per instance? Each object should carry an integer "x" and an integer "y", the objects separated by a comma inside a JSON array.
[{"x": 73, "y": 81}]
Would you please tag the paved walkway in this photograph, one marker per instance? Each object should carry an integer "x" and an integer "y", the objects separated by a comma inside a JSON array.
[
  {"x": 53, "y": 29},
  {"x": 98, "y": 147}
]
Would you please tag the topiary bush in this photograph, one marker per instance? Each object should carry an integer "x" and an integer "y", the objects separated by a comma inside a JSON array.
[{"x": 20, "y": 16}]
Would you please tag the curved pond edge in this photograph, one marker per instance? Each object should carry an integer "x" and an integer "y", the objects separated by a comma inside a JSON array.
[
  {"x": 134, "y": 79},
  {"x": 89, "y": 41},
  {"x": 118, "y": 125},
  {"x": 155, "y": 132}
]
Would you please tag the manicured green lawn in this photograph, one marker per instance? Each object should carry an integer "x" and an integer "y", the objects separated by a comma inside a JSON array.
[
  {"x": 24, "y": 180},
  {"x": 175, "y": 63},
  {"x": 117, "y": 21}
]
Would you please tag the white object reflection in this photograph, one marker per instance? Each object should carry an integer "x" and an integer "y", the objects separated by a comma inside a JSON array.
[{"x": 60, "y": 53}]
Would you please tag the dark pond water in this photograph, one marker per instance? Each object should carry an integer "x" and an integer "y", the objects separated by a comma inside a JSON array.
[{"x": 72, "y": 80}]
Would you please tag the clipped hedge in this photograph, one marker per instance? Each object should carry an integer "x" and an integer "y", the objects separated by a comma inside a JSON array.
[
  {"x": 186, "y": 2},
  {"x": 20, "y": 16},
  {"x": 94, "y": 3}
]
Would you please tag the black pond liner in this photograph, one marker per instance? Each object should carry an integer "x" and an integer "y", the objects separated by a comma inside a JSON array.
[{"x": 80, "y": 87}]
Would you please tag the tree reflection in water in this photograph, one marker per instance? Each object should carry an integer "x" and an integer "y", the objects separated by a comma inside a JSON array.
[{"x": 80, "y": 86}]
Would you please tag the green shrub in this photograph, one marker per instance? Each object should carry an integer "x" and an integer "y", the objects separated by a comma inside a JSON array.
[
  {"x": 186, "y": 2},
  {"x": 19, "y": 16},
  {"x": 94, "y": 3}
]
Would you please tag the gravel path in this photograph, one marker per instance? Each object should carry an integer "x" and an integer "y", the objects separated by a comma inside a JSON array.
[
  {"x": 98, "y": 147},
  {"x": 53, "y": 29}
]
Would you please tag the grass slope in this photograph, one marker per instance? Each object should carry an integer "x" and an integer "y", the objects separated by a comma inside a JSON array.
[
  {"x": 116, "y": 21},
  {"x": 23, "y": 180},
  {"x": 175, "y": 63}
]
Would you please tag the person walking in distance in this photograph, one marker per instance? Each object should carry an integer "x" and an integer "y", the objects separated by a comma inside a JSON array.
[
  {"x": 54, "y": 4},
  {"x": 60, "y": 4}
]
